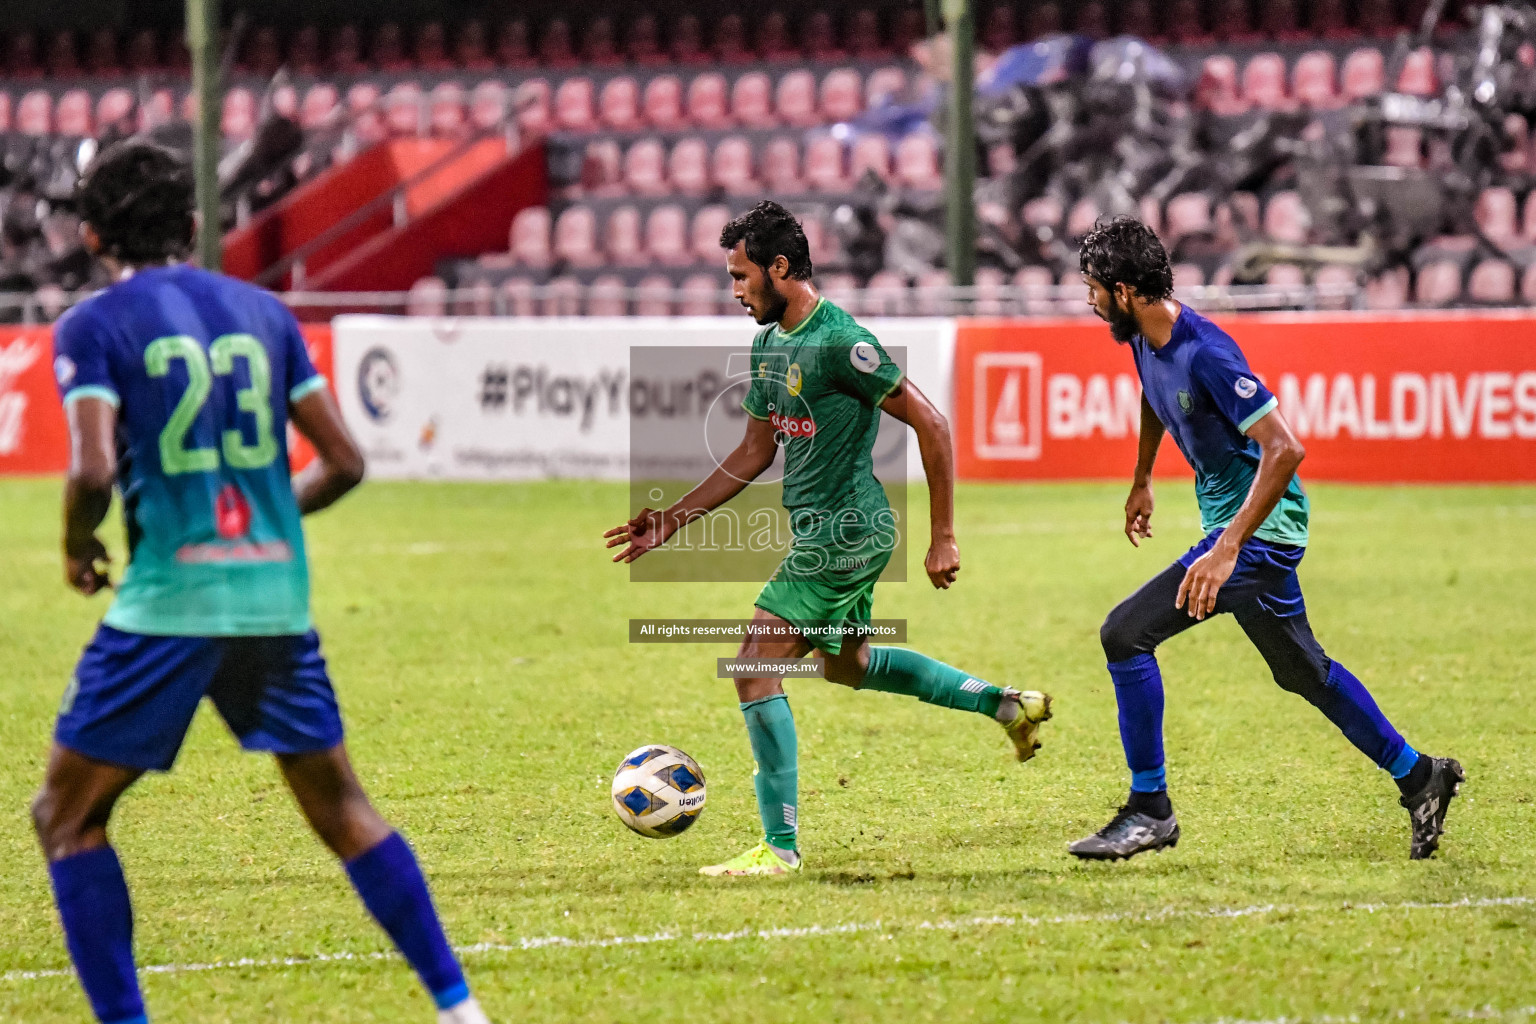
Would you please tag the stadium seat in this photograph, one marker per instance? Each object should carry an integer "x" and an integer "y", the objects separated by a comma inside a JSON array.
[
  {"x": 1037, "y": 284},
  {"x": 641, "y": 42},
  {"x": 446, "y": 109},
  {"x": 488, "y": 105},
  {"x": 115, "y": 108},
  {"x": 154, "y": 110},
  {"x": 1377, "y": 18},
  {"x": 318, "y": 107},
  {"x": 72, "y": 116},
  {"x": 575, "y": 240},
  {"x": 841, "y": 288},
  {"x": 1528, "y": 221},
  {"x": 143, "y": 52},
  {"x": 403, "y": 106},
  {"x": 1137, "y": 19},
  {"x": 1516, "y": 158},
  {"x": 824, "y": 164},
  {"x": 621, "y": 238},
  {"x": 1187, "y": 276},
  {"x": 1232, "y": 22},
  {"x": 427, "y": 297},
  {"x": 731, "y": 166},
  {"x": 1438, "y": 284},
  {"x": 530, "y": 237},
  {"x": 517, "y": 297},
  {"x": 471, "y": 47},
  {"x": 795, "y": 99},
  {"x": 1217, "y": 90},
  {"x": 346, "y": 51},
  {"x": 1418, "y": 77},
  {"x": 1328, "y": 19},
  {"x": 1492, "y": 282},
  {"x": 822, "y": 243},
  {"x": 6, "y": 111},
  {"x": 1073, "y": 300},
  {"x": 930, "y": 293},
  {"x": 1286, "y": 276},
  {"x": 1286, "y": 218},
  {"x": 1151, "y": 213},
  {"x": 237, "y": 118},
  {"x": 841, "y": 95},
  {"x": 871, "y": 153},
  {"x": 686, "y": 45},
  {"x": 597, "y": 44},
  {"x": 773, "y": 39},
  {"x": 1264, "y": 82},
  {"x": 605, "y": 296},
  {"x": 1312, "y": 81},
  {"x": 688, "y": 167},
  {"x": 1001, "y": 159},
  {"x": 654, "y": 295},
  {"x": 730, "y": 41},
  {"x": 1187, "y": 214},
  {"x": 707, "y": 107},
  {"x": 781, "y": 166},
  {"x": 1405, "y": 147},
  {"x": 562, "y": 297},
  {"x": 751, "y": 101},
  {"x": 1082, "y": 217},
  {"x": 704, "y": 236},
  {"x": 284, "y": 100},
  {"x": 1497, "y": 214},
  {"x": 1279, "y": 20},
  {"x": 431, "y": 48},
  {"x": 917, "y": 162},
  {"x": 1388, "y": 290},
  {"x": 530, "y": 107},
  {"x": 699, "y": 296},
  {"x": 602, "y": 169},
  {"x": 1044, "y": 20},
  {"x": 999, "y": 31},
  {"x": 663, "y": 103},
  {"x": 990, "y": 285},
  {"x": 34, "y": 113},
  {"x": 555, "y": 50},
  {"x": 573, "y": 105},
  {"x": 387, "y": 50},
  {"x": 512, "y": 46},
  {"x": 1364, "y": 75},
  {"x": 1092, "y": 20},
  {"x": 644, "y": 166},
  {"x": 1528, "y": 285},
  {"x": 885, "y": 294},
  {"x": 63, "y": 60},
  {"x": 888, "y": 83},
  {"x": 864, "y": 41},
  {"x": 1042, "y": 212},
  {"x": 101, "y": 54},
  {"x": 666, "y": 236},
  {"x": 619, "y": 105},
  {"x": 1334, "y": 284},
  {"x": 818, "y": 37},
  {"x": 1184, "y": 26}
]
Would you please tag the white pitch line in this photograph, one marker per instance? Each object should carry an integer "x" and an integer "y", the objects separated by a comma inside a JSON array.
[
  {"x": 815, "y": 930},
  {"x": 1477, "y": 1013}
]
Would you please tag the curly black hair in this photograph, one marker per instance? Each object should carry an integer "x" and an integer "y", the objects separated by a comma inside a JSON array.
[
  {"x": 138, "y": 197},
  {"x": 1126, "y": 251},
  {"x": 770, "y": 231}
]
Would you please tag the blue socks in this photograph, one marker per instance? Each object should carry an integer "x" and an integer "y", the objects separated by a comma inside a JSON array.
[
  {"x": 1139, "y": 696},
  {"x": 393, "y": 889},
  {"x": 98, "y": 928},
  {"x": 1349, "y": 706},
  {"x": 898, "y": 670},
  {"x": 771, "y": 728}
]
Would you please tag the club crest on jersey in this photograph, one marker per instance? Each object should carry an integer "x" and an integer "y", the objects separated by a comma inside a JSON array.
[
  {"x": 793, "y": 426},
  {"x": 1185, "y": 402},
  {"x": 64, "y": 370},
  {"x": 231, "y": 513},
  {"x": 1245, "y": 388},
  {"x": 792, "y": 379},
  {"x": 864, "y": 357}
]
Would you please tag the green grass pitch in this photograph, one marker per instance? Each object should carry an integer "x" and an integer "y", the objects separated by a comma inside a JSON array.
[{"x": 477, "y": 635}]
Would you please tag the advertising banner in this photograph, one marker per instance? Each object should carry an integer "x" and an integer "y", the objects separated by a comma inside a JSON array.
[
  {"x": 33, "y": 437},
  {"x": 489, "y": 398},
  {"x": 1417, "y": 398}
]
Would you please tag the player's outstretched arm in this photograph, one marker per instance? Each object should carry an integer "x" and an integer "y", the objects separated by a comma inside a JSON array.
[
  {"x": 338, "y": 466},
  {"x": 88, "y": 491},
  {"x": 745, "y": 463},
  {"x": 1138, "y": 507},
  {"x": 912, "y": 407}
]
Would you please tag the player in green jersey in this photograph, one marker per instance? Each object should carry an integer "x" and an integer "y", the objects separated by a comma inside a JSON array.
[{"x": 819, "y": 383}]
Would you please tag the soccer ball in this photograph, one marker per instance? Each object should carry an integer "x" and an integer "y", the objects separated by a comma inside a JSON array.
[{"x": 658, "y": 791}]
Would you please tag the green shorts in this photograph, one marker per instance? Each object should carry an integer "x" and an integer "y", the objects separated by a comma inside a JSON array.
[{"x": 825, "y": 594}]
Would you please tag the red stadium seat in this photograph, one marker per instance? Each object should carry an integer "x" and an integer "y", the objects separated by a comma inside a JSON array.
[
  {"x": 870, "y": 152},
  {"x": 990, "y": 284},
  {"x": 751, "y": 101},
  {"x": 840, "y": 288},
  {"x": 488, "y": 105},
  {"x": 818, "y": 37},
  {"x": 427, "y": 297},
  {"x": 864, "y": 35},
  {"x": 687, "y": 42},
  {"x": 641, "y": 43},
  {"x": 530, "y": 106},
  {"x": 143, "y": 52},
  {"x": 841, "y": 95},
  {"x": 1364, "y": 75},
  {"x": 562, "y": 297},
  {"x": 1497, "y": 214},
  {"x": 5, "y": 111},
  {"x": 1286, "y": 218},
  {"x": 999, "y": 31},
  {"x": 1042, "y": 212},
  {"x": 602, "y": 169},
  {"x": 619, "y": 105},
  {"x": 1082, "y": 217},
  {"x": 284, "y": 100},
  {"x": 237, "y": 118},
  {"x": 731, "y": 166},
  {"x": 795, "y": 99},
  {"x": 63, "y": 61},
  {"x": 1418, "y": 77},
  {"x": 471, "y": 47},
  {"x": 1187, "y": 214},
  {"x": 1187, "y": 276},
  {"x": 1044, "y": 20},
  {"x": 1388, "y": 291},
  {"x": 700, "y": 296},
  {"x": 1137, "y": 19},
  {"x": 555, "y": 49},
  {"x": 1405, "y": 147},
  {"x": 346, "y": 51},
  {"x": 930, "y": 293},
  {"x": 885, "y": 294},
  {"x": 597, "y": 44},
  {"x": 156, "y": 109},
  {"x": 1334, "y": 284},
  {"x": 1286, "y": 276},
  {"x": 707, "y": 106},
  {"x": 387, "y": 52},
  {"x": 605, "y": 296},
  {"x": 1438, "y": 284},
  {"x": 688, "y": 167},
  {"x": 403, "y": 106},
  {"x": 573, "y": 105},
  {"x": 431, "y": 48},
  {"x": 1329, "y": 20},
  {"x": 575, "y": 237},
  {"x": 1528, "y": 285},
  {"x": 917, "y": 162},
  {"x": 517, "y": 297},
  {"x": 644, "y": 167},
  {"x": 1185, "y": 26},
  {"x": 1312, "y": 81},
  {"x": 773, "y": 39},
  {"x": 704, "y": 237},
  {"x": 319, "y": 105},
  {"x": 1217, "y": 90},
  {"x": 34, "y": 114},
  {"x": 1092, "y": 20},
  {"x": 781, "y": 166},
  {"x": 1516, "y": 158},
  {"x": 884, "y": 84},
  {"x": 663, "y": 105},
  {"x": 72, "y": 116},
  {"x": 907, "y": 28},
  {"x": 529, "y": 241},
  {"x": 824, "y": 164},
  {"x": 654, "y": 296},
  {"x": 1037, "y": 285},
  {"x": 478, "y": 299},
  {"x": 1528, "y": 221},
  {"x": 1001, "y": 159},
  {"x": 822, "y": 243},
  {"x": 1279, "y": 21},
  {"x": 1264, "y": 82},
  {"x": 1377, "y": 18},
  {"x": 101, "y": 54},
  {"x": 730, "y": 41},
  {"x": 1492, "y": 282},
  {"x": 621, "y": 238},
  {"x": 116, "y": 107},
  {"x": 512, "y": 47},
  {"x": 1232, "y": 22},
  {"x": 446, "y": 109}
]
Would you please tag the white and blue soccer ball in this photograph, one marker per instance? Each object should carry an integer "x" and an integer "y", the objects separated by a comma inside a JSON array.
[{"x": 658, "y": 791}]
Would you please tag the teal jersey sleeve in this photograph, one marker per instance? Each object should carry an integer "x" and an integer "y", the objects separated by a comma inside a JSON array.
[{"x": 862, "y": 368}]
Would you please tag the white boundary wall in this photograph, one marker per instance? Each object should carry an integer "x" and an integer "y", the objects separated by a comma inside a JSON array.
[{"x": 491, "y": 398}]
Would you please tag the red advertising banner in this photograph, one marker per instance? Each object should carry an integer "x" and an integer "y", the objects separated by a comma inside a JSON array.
[
  {"x": 33, "y": 438},
  {"x": 1413, "y": 398}
]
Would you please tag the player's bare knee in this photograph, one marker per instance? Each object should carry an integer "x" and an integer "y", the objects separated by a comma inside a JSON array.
[{"x": 61, "y": 828}]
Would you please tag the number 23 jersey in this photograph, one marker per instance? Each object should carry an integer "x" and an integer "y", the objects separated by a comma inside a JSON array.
[{"x": 202, "y": 369}]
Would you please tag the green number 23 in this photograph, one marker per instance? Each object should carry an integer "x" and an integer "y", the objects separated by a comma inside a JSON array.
[{"x": 175, "y": 456}]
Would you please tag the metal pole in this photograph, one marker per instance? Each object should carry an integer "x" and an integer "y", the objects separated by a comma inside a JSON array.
[
  {"x": 960, "y": 147},
  {"x": 203, "y": 41}
]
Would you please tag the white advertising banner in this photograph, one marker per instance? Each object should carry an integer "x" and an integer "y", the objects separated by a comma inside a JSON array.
[{"x": 504, "y": 398}]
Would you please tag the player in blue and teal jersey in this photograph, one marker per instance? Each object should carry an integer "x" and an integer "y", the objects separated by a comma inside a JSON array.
[
  {"x": 178, "y": 385},
  {"x": 1197, "y": 386}
]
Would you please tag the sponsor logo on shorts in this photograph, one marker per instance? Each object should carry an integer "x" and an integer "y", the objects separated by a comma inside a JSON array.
[
  {"x": 793, "y": 426},
  {"x": 1245, "y": 388}
]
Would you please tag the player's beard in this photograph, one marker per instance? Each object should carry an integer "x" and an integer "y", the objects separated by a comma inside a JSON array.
[
  {"x": 774, "y": 303},
  {"x": 1122, "y": 322}
]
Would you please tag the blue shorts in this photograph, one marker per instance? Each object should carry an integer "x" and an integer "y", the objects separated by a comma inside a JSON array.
[
  {"x": 1264, "y": 571},
  {"x": 133, "y": 696}
]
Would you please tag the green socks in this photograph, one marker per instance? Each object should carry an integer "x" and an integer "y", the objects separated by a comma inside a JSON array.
[
  {"x": 898, "y": 670},
  {"x": 771, "y": 728}
]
